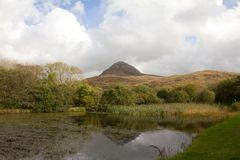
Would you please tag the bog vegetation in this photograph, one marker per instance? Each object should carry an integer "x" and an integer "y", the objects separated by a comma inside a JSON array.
[{"x": 58, "y": 87}]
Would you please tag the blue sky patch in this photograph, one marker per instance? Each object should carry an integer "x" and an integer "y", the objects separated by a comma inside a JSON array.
[
  {"x": 192, "y": 40},
  {"x": 230, "y": 3},
  {"x": 93, "y": 10}
]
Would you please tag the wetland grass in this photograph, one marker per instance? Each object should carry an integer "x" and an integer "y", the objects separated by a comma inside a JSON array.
[{"x": 168, "y": 110}]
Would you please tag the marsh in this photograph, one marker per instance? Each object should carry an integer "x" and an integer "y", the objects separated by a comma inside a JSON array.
[{"x": 73, "y": 136}]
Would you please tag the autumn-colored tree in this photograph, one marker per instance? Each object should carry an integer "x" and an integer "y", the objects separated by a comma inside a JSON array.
[{"x": 64, "y": 72}]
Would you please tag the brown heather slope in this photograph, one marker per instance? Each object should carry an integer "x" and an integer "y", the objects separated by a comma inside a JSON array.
[
  {"x": 201, "y": 79},
  {"x": 125, "y": 74}
]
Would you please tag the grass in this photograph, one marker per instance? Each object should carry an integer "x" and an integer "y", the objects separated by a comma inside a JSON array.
[
  {"x": 221, "y": 142},
  {"x": 14, "y": 111},
  {"x": 22, "y": 111},
  {"x": 167, "y": 110},
  {"x": 77, "y": 109}
]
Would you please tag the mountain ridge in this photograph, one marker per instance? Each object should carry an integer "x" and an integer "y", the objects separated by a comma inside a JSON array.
[
  {"x": 201, "y": 78},
  {"x": 121, "y": 68}
]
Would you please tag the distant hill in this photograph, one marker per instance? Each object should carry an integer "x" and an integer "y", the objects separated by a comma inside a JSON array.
[
  {"x": 125, "y": 74},
  {"x": 121, "y": 69}
]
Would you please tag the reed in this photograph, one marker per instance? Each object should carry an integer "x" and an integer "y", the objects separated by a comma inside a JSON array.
[{"x": 167, "y": 110}]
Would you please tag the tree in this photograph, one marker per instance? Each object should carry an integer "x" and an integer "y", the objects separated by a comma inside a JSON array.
[
  {"x": 145, "y": 95},
  {"x": 15, "y": 84},
  {"x": 206, "y": 96},
  {"x": 164, "y": 94},
  {"x": 235, "y": 106},
  {"x": 29, "y": 87},
  {"x": 64, "y": 72},
  {"x": 228, "y": 91},
  {"x": 88, "y": 97},
  {"x": 179, "y": 96},
  {"x": 191, "y": 90},
  {"x": 49, "y": 96},
  {"x": 117, "y": 95}
]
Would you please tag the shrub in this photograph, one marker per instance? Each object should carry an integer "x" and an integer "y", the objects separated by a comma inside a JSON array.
[
  {"x": 50, "y": 96},
  {"x": 15, "y": 84},
  {"x": 45, "y": 99},
  {"x": 88, "y": 97},
  {"x": 206, "y": 96},
  {"x": 179, "y": 96},
  {"x": 145, "y": 95},
  {"x": 117, "y": 95},
  {"x": 228, "y": 91},
  {"x": 164, "y": 94},
  {"x": 236, "y": 106},
  {"x": 191, "y": 90}
]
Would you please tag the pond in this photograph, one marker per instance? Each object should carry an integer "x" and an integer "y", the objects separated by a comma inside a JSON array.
[{"x": 74, "y": 136}]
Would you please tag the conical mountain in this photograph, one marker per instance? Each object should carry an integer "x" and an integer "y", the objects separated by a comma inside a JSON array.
[{"x": 121, "y": 69}]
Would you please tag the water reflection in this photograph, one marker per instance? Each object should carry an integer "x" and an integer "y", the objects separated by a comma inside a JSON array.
[
  {"x": 89, "y": 137},
  {"x": 146, "y": 146}
]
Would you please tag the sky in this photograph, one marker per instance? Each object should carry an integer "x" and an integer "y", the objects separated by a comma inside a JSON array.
[{"x": 157, "y": 36}]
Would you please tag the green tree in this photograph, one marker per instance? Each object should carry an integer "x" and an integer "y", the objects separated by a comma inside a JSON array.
[
  {"x": 46, "y": 95},
  {"x": 145, "y": 95},
  {"x": 117, "y": 95},
  {"x": 206, "y": 96},
  {"x": 191, "y": 90},
  {"x": 164, "y": 94},
  {"x": 15, "y": 83},
  {"x": 228, "y": 91},
  {"x": 235, "y": 106},
  {"x": 88, "y": 96},
  {"x": 50, "y": 96},
  {"x": 179, "y": 96}
]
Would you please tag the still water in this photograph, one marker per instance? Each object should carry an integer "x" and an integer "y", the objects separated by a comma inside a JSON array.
[{"x": 88, "y": 137}]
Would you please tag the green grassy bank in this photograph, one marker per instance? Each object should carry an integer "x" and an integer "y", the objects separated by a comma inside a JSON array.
[{"x": 221, "y": 142}]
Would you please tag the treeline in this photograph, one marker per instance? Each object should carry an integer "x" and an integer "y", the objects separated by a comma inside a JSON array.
[
  {"x": 57, "y": 87},
  {"x": 98, "y": 99},
  {"x": 48, "y": 88}
]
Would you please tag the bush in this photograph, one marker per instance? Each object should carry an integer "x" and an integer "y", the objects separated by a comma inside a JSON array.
[
  {"x": 43, "y": 89},
  {"x": 88, "y": 97},
  {"x": 177, "y": 96},
  {"x": 145, "y": 95},
  {"x": 117, "y": 95},
  {"x": 164, "y": 94},
  {"x": 206, "y": 96},
  {"x": 45, "y": 99},
  {"x": 15, "y": 84},
  {"x": 228, "y": 91},
  {"x": 235, "y": 106},
  {"x": 191, "y": 90},
  {"x": 48, "y": 96}
]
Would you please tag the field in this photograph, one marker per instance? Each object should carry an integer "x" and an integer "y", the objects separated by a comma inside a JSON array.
[{"x": 221, "y": 142}]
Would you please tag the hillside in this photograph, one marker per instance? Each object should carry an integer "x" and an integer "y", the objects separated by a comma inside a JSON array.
[
  {"x": 121, "y": 69},
  {"x": 200, "y": 78}
]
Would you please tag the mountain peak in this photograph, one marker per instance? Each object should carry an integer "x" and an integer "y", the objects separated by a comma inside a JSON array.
[{"x": 121, "y": 69}]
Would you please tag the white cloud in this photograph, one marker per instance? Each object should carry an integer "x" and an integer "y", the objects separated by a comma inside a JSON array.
[
  {"x": 157, "y": 36},
  {"x": 56, "y": 37},
  {"x": 152, "y": 35},
  {"x": 78, "y": 7}
]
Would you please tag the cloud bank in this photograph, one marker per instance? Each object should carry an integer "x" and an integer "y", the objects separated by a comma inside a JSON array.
[{"x": 158, "y": 37}]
